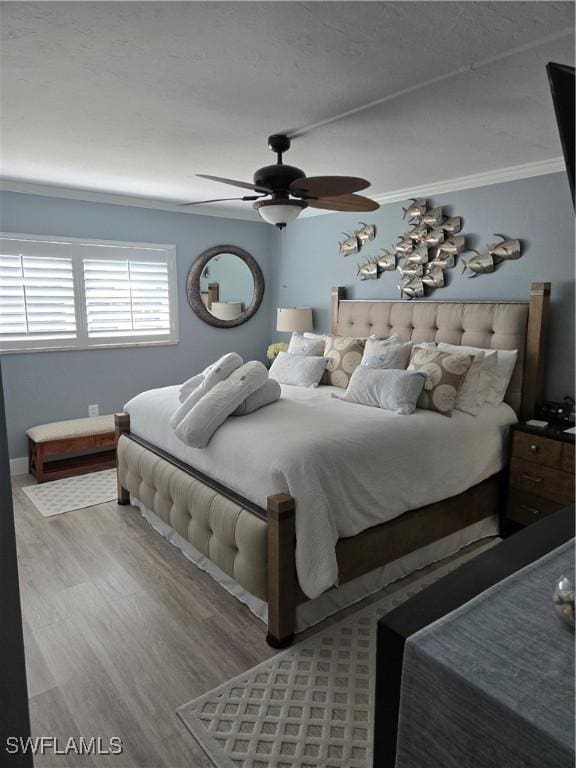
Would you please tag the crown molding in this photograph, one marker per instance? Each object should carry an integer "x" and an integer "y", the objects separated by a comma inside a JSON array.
[
  {"x": 93, "y": 196},
  {"x": 484, "y": 179}
]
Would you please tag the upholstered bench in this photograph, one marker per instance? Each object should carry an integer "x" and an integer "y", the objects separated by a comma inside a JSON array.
[{"x": 74, "y": 447}]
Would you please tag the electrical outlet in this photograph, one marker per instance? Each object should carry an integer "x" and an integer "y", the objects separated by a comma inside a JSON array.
[{"x": 93, "y": 410}]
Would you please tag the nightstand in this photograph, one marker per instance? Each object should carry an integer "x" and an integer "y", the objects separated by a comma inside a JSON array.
[{"x": 541, "y": 474}]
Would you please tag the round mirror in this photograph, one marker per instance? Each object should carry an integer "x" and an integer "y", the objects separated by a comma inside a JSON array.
[{"x": 225, "y": 286}]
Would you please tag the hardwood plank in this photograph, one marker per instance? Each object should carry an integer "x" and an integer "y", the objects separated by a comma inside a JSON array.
[{"x": 120, "y": 630}]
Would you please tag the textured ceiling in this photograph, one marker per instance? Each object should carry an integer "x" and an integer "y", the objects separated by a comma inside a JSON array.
[{"x": 135, "y": 98}]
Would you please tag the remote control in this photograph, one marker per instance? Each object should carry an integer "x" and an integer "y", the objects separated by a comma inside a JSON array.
[{"x": 537, "y": 424}]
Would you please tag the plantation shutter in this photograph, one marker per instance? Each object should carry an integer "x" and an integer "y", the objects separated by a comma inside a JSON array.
[
  {"x": 37, "y": 302},
  {"x": 126, "y": 297}
]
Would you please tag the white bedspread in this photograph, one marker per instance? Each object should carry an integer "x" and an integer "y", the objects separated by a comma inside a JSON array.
[{"x": 348, "y": 466}]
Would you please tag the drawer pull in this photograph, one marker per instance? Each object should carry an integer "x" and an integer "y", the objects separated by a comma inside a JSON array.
[
  {"x": 534, "y": 448},
  {"x": 531, "y": 478},
  {"x": 533, "y": 510}
]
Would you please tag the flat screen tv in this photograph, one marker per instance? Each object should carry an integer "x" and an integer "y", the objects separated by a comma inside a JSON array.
[{"x": 562, "y": 85}]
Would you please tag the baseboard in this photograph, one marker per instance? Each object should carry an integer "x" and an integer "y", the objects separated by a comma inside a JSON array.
[{"x": 19, "y": 466}]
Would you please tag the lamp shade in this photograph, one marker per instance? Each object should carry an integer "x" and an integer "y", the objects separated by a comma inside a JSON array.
[{"x": 294, "y": 319}]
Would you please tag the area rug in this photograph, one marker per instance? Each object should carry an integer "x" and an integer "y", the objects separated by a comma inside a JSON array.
[
  {"x": 312, "y": 705},
  {"x": 58, "y": 496}
]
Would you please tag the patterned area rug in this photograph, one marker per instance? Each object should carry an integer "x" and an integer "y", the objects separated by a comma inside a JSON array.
[
  {"x": 312, "y": 705},
  {"x": 58, "y": 496}
]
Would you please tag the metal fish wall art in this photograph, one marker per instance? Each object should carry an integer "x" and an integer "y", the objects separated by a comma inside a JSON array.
[
  {"x": 453, "y": 245},
  {"x": 368, "y": 270},
  {"x": 349, "y": 245},
  {"x": 412, "y": 288},
  {"x": 411, "y": 270},
  {"x": 480, "y": 264},
  {"x": 443, "y": 260},
  {"x": 433, "y": 276},
  {"x": 433, "y": 217},
  {"x": 417, "y": 233},
  {"x": 366, "y": 233},
  {"x": 507, "y": 249},
  {"x": 419, "y": 255},
  {"x": 386, "y": 261},
  {"x": 415, "y": 210},
  {"x": 434, "y": 237},
  {"x": 453, "y": 225},
  {"x": 403, "y": 246}
]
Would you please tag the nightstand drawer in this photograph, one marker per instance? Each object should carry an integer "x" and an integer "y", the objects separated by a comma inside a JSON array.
[
  {"x": 524, "y": 508},
  {"x": 538, "y": 449},
  {"x": 568, "y": 458},
  {"x": 542, "y": 481}
]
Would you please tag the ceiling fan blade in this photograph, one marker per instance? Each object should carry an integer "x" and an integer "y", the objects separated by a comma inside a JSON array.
[
  {"x": 328, "y": 186},
  {"x": 222, "y": 199},
  {"x": 345, "y": 203},
  {"x": 234, "y": 183}
]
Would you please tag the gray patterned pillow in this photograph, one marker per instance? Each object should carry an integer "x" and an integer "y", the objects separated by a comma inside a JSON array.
[
  {"x": 306, "y": 346},
  {"x": 344, "y": 354},
  {"x": 445, "y": 373}
]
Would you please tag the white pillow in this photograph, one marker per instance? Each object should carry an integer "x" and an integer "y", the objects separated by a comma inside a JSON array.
[
  {"x": 198, "y": 426},
  {"x": 212, "y": 375},
  {"x": 392, "y": 390},
  {"x": 229, "y": 362},
  {"x": 374, "y": 345},
  {"x": 390, "y": 356},
  {"x": 308, "y": 347},
  {"x": 298, "y": 370},
  {"x": 495, "y": 378},
  {"x": 267, "y": 394}
]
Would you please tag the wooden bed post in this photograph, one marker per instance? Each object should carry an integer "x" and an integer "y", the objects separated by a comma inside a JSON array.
[
  {"x": 536, "y": 335},
  {"x": 338, "y": 295},
  {"x": 122, "y": 427},
  {"x": 281, "y": 534}
]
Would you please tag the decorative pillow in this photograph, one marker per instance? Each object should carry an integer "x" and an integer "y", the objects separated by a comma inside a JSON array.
[
  {"x": 445, "y": 373},
  {"x": 391, "y": 356},
  {"x": 298, "y": 370},
  {"x": 495, "y": 376},
  {"x": 200, "y": 423},
  {"x": 375, "y": 345},
  {"x": 267, "y": 394},
  {"x": 308, "y": 347},
  {"x": 344, "y": 355},
  {"x": 392, "y": 390},
  {"x": 227, "y": 363},
  {"x": 472, "y": 393}
]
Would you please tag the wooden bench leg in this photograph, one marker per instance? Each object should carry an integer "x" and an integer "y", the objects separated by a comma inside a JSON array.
[
  {"x": 281, "y": 570},
  {"x": 122, "y": 427}
]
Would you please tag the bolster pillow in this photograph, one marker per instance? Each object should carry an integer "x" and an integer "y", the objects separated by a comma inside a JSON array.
[
  {"x": 218, "y": 371},
  {"x": 267, "y": 394},
  {"x": 198, "y": 426},
  {"x": 191, "y": 384}
]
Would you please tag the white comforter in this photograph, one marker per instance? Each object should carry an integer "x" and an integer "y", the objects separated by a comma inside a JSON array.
[{"x": 348, "y": 466}]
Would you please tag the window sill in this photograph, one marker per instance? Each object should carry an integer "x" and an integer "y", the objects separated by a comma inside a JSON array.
[{"x": 119, "y": 345}]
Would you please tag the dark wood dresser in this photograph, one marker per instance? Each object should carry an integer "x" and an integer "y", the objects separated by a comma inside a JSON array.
[{"x": 541, "y": 475}]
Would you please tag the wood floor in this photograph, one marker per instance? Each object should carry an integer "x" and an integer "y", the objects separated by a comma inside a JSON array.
[{"x": 120, "y": 630}]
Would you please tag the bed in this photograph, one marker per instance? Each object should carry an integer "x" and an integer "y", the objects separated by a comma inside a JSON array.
[{"x": 311, "y": 496}]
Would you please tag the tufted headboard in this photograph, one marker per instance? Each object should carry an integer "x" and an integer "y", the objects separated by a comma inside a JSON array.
[{"x": 517, "y": 325}]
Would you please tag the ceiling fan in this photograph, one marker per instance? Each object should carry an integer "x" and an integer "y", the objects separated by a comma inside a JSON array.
[{"x": 284, "y": 191}]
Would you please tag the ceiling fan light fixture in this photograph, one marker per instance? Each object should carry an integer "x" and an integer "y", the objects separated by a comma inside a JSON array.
[{"x": 280, "y": 211}]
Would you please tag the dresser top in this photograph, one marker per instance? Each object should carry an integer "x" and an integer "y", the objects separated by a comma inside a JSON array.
[{"x": 554, "y": 431}]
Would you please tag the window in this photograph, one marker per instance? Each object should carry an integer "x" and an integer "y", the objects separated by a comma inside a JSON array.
[{"x": 64, "y": 293}]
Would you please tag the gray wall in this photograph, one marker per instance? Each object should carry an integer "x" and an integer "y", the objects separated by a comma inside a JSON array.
[
  {"x": 306, "y": 262},
  {"x": 48, "y": 386}
]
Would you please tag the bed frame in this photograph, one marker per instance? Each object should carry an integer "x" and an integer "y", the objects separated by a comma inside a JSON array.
[{"x": 495, "y": 324}]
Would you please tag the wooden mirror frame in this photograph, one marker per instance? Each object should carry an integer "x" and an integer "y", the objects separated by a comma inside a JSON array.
[{"x": 193, "y": 286}]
